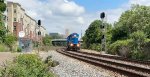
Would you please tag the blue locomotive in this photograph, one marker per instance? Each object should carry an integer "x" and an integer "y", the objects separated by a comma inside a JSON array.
[{"x": 73, "y": 42}]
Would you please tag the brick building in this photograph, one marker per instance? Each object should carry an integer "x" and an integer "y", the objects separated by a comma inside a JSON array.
[{"x": 18, "y": 21}]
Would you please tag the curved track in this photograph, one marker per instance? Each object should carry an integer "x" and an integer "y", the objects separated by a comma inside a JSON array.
[{"x": 95, "y": 59}]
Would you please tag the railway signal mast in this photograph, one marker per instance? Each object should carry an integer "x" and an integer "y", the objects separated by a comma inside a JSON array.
[
  {"x": 39, "y": 33},
  {"x": 103, "y": 28}
]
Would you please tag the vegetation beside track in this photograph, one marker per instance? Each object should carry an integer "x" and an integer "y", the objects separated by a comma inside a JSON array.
[
  {"x": 27, "y": 65},
  {"x": 129, "y": 37}
]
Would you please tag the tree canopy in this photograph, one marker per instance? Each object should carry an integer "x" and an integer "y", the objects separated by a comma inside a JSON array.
[
  {"x": 135, "y": 19},
  {"x": 130, "y": 35},
  {"x": 93, "y": 34}
]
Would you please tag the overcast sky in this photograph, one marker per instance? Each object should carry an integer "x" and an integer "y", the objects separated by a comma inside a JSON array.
[{"x": 75, "y": 15}]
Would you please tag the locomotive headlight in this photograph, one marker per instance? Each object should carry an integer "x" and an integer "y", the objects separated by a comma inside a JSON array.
[
  {"x": 71, "y": 45},
  {"x": 78, "y": 45}
]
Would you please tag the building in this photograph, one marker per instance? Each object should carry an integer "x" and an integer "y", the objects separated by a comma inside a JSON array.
[
  {"x": 18, "y": 20},
  {"x": 66, "y": 32}
]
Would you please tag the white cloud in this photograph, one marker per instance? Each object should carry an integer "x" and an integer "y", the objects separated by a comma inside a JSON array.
[
  {"x": 114, "y": 14},
  {"x": 80, "y": 20},
  {"x": 140, "y": 2},
  {"x": 58, "y": 15}
]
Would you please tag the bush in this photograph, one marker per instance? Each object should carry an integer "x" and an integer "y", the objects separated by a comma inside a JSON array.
[
  {"x": 10, "y": 40},
  {"x": 26, "y": 65},
  {"x": 96, "y": 47},
  {"x": 50, "y": 62},
  {"x": 54, "y": 63},
  {"x": 19, "y": 49},
  {"x": 137, "y": 55},
  {"x": 3, "y": 48},
  {"x": 115, "y": 47}
]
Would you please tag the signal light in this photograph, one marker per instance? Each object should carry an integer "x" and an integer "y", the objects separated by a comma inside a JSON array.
[
  {"x": 102, "y": 26},
  {"x": 39, "y": 22},
  {"x": 102, "y": 16},
  {"x": 103, "y": 36}
]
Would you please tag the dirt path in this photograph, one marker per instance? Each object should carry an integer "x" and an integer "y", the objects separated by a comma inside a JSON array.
[{"x": 6, "y": 56}]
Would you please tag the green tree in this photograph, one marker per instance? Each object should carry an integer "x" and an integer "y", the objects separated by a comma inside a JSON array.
[
  {"x": 2, "y": 25},
  {"x": 2, "y": 6},
  {"x": 93, "y": 34},
  {"x": 10, "y": 40},
  {"x": 47, "y": 40},
  {"x": 134, "y": 24},
  {"x": 135, "y": 19}
]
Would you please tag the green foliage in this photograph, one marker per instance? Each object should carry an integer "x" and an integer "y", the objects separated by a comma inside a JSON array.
[
  {"x": 119, "y": 33},
  {"x": 114, "y": 47},
  {"x": 2, "y": 29},
  {"x": 2, "y": 6},
  {"x": 133, "y": 24},
  {"x": 3, "y": 48},
  {"x": 26, "y": 65},
  {"x": 2, "y": 26},
  {"x": 55, "y": 63},
  {"x": 93, "y": 33},
  {"x": 50, "y": 62},
  {"x": 137, "y": 55},
  {"x": 19, "y": 49},
  {"x": 95, "y": 46},
  {"x": 10, "y": 40},
  {"x": 139, "y": 38},
  {"x": 47, "y": 40}
]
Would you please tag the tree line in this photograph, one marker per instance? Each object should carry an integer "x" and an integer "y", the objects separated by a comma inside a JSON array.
[{"x": 129, "y": 37}]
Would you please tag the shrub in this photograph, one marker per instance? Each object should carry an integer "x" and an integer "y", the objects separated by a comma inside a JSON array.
[
  {"x": 54, "y": 63},
  {"x": 50, "y": 62},
  {"x": 19, "y": 49},
  {"x": 3, "y": 48},
  {"x": 137, "y": 55},
  {"x": 96, "y": 47},
  {"x": 26, "y": 65},
  {"x": 48, "y": 59},
  {"x": 116, "y": 46},
  {"x": 10, "y": 40}
]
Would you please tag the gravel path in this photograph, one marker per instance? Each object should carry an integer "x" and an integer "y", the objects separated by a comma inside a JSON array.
[
  {"x": 69, "y": 67},
  {"x": 6, "y": 56}
]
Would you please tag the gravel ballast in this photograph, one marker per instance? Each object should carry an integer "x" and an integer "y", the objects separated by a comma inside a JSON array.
[{"x": 69, "y": 67}]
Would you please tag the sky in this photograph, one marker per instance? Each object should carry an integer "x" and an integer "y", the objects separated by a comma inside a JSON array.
[{"x": 75, "y": 15}]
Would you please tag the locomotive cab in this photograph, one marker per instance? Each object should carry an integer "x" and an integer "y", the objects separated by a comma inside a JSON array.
[{"x": 73, "y": 42}]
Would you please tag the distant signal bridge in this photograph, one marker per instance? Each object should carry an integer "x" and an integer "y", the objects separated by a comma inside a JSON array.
[{"x": 61, "y": 42}]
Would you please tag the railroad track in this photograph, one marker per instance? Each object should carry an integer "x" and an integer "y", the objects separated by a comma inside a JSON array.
[
  {"x": 119, "y": 58},
  {"x": 123, "y": 68}
]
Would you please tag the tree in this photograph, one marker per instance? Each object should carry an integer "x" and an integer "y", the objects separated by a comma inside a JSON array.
[
  {"x": 134, "y": 24},
  {"x": 47, "y": 40},
  {"x": 2, "y": 6},
  {"x": 93, "y": 34},
  {"x": 135, "y": 19},
  {"x": 2, "y": 25},
  {"x": 10, "y": 40}
]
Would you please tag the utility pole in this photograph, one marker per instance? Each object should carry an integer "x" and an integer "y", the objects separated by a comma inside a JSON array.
[{"x": 103, "y": 28}]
